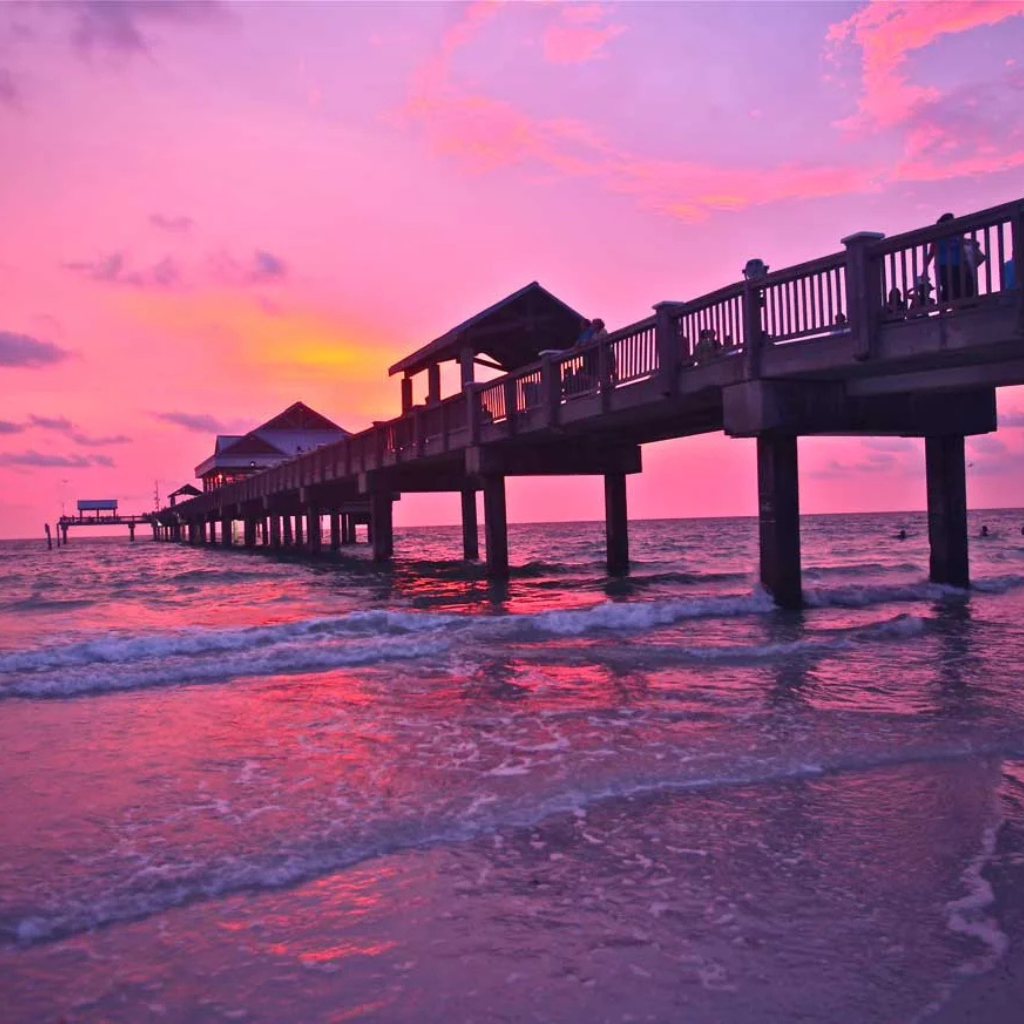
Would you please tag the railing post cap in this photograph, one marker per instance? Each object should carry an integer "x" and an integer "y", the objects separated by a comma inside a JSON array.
[
  {"x": 862, "y": 237},
  {"x": 670, "y": 305}
]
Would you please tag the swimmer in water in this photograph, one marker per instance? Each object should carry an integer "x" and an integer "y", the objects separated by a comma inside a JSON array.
[
  {"x": 984, "y": 531},
  {"x": 902, "y": 535}
]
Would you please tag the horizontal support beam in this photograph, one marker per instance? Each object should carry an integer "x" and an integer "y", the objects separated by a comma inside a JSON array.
[
  {"x": 329, "y": 493},
  {"x": 824, "y": 407},
  {"x": 569, "y": 458},
  {"x": 953, "y": 378}
]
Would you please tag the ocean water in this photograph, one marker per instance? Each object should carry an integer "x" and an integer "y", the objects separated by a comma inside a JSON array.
[{"x": 235, "y": 787}]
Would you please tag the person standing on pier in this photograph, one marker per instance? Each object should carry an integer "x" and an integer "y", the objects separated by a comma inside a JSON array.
[{"x": 956, "y": 264}]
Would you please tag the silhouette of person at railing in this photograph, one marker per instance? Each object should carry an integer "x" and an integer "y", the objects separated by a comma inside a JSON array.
[
  {"x": 956, "y": 264},
  {"x": 841, "y": 324},
  {"x": 708, "y": 346},
  {"x": 895, "y": 305},
  {"x": 585, "y": 334},
  {"x": 584, "y": 377}
]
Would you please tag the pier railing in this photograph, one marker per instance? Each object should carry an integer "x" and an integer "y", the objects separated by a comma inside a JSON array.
[
  {"x": 874, "y": 281},
  {"x": 913, "y": 281}
]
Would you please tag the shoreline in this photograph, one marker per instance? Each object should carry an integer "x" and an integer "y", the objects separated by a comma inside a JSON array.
[{"x": 996, "y": 996}]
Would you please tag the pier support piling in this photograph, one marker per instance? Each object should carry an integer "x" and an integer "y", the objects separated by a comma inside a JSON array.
[
  {"x": 299, "y": 543},
  {"x": 275, "y": 532},
  {"x": 289, "y": 540},
  {"x": 495, "y": 527},
  {"x": 225, "y": 533},
  {"x": 470, "y": 529},
  {"x": 131, "y": 531},
  {"x": 779, "y": 517},
  {"x": 616, "y": 524},
  {"x": 947, "y": 510},
  {"x": 335, "y": 530},
  {"x": 381, "y": 527},
  {"x": 313, "y": 534},
  {"x": 249, "y": 532}
]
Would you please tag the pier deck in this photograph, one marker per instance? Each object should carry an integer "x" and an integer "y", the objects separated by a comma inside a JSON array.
[{"x": 850, "y": 344}]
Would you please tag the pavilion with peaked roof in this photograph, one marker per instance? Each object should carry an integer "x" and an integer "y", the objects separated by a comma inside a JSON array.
[
  {"x": 506, "y": 336},
  {"x": 296, "y": 430},
  {"x": 185, "y": 491}
]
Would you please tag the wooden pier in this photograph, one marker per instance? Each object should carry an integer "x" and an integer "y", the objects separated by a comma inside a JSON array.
[
  {"x": 65, "y": 523},
  {"x": 848, "y": 344}
]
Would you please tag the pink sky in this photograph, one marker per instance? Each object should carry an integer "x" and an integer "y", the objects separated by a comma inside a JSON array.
[{"x": 213, "y": 210}]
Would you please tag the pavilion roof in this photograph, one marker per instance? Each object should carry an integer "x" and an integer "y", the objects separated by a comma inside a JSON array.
[
  {"x": 513, "y": 332},
  {"x": 298, "y": 429},
  {"x": 188, "y": 489}
]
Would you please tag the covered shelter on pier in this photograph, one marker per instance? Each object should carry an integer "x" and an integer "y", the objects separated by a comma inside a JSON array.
[
  {"x": 504, "y": 337},
  {"x": 185, "y": 491},
  {"x": 296, "y": 430}
]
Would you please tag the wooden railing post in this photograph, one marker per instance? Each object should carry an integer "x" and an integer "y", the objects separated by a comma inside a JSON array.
[
  {"x": 473, "y": 406},
  {"x": 551, "y": 389},
  {"x": 605, "y": 374},
  {"x": 511, "y": 412},
  {"x": 753, "y": 329},
  {"x": 419, "y": 433},
  {"x": 666, "y": 341},
  {"x": 864, "y": 297}
]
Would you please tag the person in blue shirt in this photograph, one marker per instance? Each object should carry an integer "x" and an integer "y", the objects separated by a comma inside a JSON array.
[
  {"x": 586, "y": 334},
  {"x": 955, "y": 275}
]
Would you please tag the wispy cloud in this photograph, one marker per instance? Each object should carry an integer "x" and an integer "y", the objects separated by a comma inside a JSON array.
[
  {"x": 200, "y": 423},
  {"x": 261, "y": 268},
  {"x": 578, "y": 36},
  {"x": 1011, "y": 419},
  {"x": 10, "y": 95},
  {"x": 125, "y": 27},
  {"x": 62, "y": 425},
  {"x": 176, "y": 225},
  {"x": 976, "y": 127},
  {"x": 267, "y": 267},
  {"x": 113, "y": 269},
  {"x": 59, "y": 423},
  {"x": 41, "y": 460},
  {"x": 25, "y": 351},
  {"x": 99, "y": 442},
  {"x": 887, "y": 34},
  {"x": 986, "y": 444},
  {"x": 872, "y": 456},
  {"x": 486, "y": 134},
  {"x": 943, "y": 135}
]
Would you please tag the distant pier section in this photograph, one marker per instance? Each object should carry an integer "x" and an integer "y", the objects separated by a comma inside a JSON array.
[{"x": 101, "y": 512}]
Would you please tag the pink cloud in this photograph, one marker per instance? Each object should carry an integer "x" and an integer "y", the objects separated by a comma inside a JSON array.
[
  {"x": 888, "y": 33},
  {"x": 487, "y": 134},
  {"x": 948, "y": 135},
  {"x": 574, "y": 41}
]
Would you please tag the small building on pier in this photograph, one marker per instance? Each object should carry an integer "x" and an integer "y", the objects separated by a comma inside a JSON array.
[
  {"x": 101, "y": 508},
  {"x": 504, "y": 337},
  {"x": 296, "y": 430},
  {"x": 186, "y": 491}
]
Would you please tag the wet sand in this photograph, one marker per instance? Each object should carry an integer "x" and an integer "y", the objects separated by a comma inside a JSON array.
[{"x": 997, "y": 997}]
